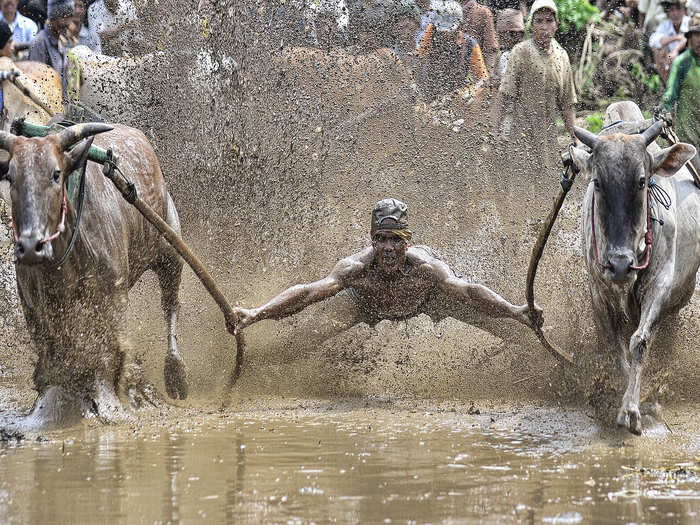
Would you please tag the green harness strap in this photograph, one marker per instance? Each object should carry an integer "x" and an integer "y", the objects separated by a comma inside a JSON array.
[{"x": 95, "y": 153}]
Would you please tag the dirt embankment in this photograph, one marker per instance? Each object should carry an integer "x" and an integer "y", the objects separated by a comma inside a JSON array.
[{"x": 275, "y": 158}]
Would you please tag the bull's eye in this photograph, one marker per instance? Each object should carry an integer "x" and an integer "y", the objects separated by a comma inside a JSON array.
[
  {"x": 56, "y": 175},
  {"x": 642, "y": 182},
  {"x": 596, "y": 184}
]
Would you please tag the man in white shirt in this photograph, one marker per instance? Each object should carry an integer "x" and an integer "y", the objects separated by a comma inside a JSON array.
[
  {"x": 668, "y": 40},
  {"x": 23, "y": 29}
]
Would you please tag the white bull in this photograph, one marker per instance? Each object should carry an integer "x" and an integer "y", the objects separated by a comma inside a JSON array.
[{"x": 639, "y": 270}]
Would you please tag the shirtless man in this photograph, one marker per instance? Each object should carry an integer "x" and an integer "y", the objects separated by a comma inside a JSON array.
[{"x": 394, "y": 280}]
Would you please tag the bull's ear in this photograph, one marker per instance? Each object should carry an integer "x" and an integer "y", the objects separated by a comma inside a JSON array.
[
  {"x": 72, "y": 157},
  {"x": 668, "y": 161},
  {"x": 580, "y": 158}
]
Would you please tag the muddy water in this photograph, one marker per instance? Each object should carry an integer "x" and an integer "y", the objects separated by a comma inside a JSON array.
[{"x": 355, "y": 461}]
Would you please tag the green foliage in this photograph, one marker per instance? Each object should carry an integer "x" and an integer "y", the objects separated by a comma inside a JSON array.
[
  {"x": 576, "y": 14},
  {"x": 652, "y": 82},
  {"x": 595, "y": 122}
]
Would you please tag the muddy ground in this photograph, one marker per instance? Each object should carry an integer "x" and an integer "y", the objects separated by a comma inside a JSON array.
[{"x": 274, "y": 158}]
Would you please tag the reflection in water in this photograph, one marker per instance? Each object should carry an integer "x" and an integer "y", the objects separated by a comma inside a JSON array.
[
  {"x": 234, "y": 485},
  {"x": 351, "y": 466},
  {"x": 174, "y": 450}
]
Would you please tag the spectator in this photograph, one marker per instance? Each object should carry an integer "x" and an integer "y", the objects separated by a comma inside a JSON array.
[
  {"x": 116, "y": 22},
  {"x": 428, "y": 16},
  {"x": 450, "y": 61},
  {"x": 6, "y": 49},
  {"x": 23, "y": 29},
  {"x": 510, "y": 27},
  {"x": 668, "y": 40},
  {"x": 683, "y": 89},
  {"x": 87, "y": 36},
  {"x": 478, "y": 22},
  {"x": 406, "y": 17},
  {"x": 538, "y": 83},
  {"x": 49, "y": 46}
]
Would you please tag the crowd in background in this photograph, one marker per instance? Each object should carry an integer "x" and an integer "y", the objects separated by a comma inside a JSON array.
[
  {"x": 47, "y": 27},
  {"x": 505, "y": 51}
]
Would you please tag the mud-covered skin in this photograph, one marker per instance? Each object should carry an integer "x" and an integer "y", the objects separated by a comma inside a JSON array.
[
  {"x": 393, "y": 281},
  {"x": 630, "y": 304},
  {"x": 76, "y": 313}
]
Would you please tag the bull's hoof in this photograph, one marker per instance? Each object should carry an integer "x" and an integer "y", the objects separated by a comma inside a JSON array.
[
  {"x": 54, "y": 408},
  {"x": 175, "y": 377},
  {"x": 630, "y": 418}
]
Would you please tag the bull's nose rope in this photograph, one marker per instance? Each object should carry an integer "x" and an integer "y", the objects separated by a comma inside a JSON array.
[
  {"x": 648, "y": 236},
  {"x": 62, "y": 225}
]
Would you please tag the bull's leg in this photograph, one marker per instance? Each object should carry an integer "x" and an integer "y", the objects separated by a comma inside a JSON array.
[
  {"x": 629, "y": 415},
  {"x": 174, "y": 370},
  {"x": 169, "y": 271},
  {"x": 116, "y": 369}
]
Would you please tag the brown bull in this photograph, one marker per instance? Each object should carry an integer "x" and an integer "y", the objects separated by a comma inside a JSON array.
[
  {"x": 76, "y": 312},
  {"x": 44, "y": 84}
]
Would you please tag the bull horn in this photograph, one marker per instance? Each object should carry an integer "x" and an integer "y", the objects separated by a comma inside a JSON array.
[
  {"x": 7, "y": 140},
  {"x": 73, "y": 134},
  {"x": 652, "y": 132},
  {"x": 585, "y": 136}
]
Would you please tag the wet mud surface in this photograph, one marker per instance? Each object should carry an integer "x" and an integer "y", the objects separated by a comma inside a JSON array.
[{"x": 368, "y": 460}]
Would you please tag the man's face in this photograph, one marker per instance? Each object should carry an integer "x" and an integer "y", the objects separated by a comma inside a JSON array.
[
  {"x": 544, "y": 25},
  {"x": 9, "y": 7},
  {"x": 61, "y": 24},
  {"x": 675, "y": 12},
  {"x": 694, "y": 42},
  {"x": 389, "y": 251},
  {"x": 79, "y": 10}
]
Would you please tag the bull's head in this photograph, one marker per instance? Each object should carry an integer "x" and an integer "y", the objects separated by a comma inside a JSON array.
[
  {"x": 620, "y": 168},
  {"x": 37, "y": 170}
]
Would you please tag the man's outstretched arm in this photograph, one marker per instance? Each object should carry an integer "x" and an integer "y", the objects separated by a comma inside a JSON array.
[
  {"x": 481, "y": 297},
  {"x": 298, "y": 297}
]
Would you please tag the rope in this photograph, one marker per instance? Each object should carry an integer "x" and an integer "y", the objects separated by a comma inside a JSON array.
[{"x": 81, "y": 198}]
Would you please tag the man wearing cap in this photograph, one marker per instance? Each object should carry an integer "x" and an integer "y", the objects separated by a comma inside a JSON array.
[
  {"x": 538, "y": 84},
  {"x": 23, "y": 29},
  {"x": 49, "y": 46},
  {"x": 450, "y": 61},
  {"x": 392, "y": 279},
  {"x": 683, "y": 89},
  {"x": 668, "y": 40},
  {"x": 510, "y": 27}
]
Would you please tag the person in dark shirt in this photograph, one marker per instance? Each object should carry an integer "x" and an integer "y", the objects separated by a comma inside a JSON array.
[{"x": 49, "y": 46}]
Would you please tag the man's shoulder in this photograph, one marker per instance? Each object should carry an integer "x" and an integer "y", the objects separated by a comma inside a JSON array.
[
  {"x": 524, "y": 48},
  {"x": 421, "y": 254},
  {"x": 558, "y": 50},
  {"x": 356, "y": 261},
  {"x": 41, "y": 38}
]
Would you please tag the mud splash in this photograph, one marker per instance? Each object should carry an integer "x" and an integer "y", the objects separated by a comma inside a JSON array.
[{"x": 361, "y": 461}]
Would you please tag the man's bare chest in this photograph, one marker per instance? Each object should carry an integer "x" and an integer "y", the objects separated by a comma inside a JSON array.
[{"x": 396, "y": 298}]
